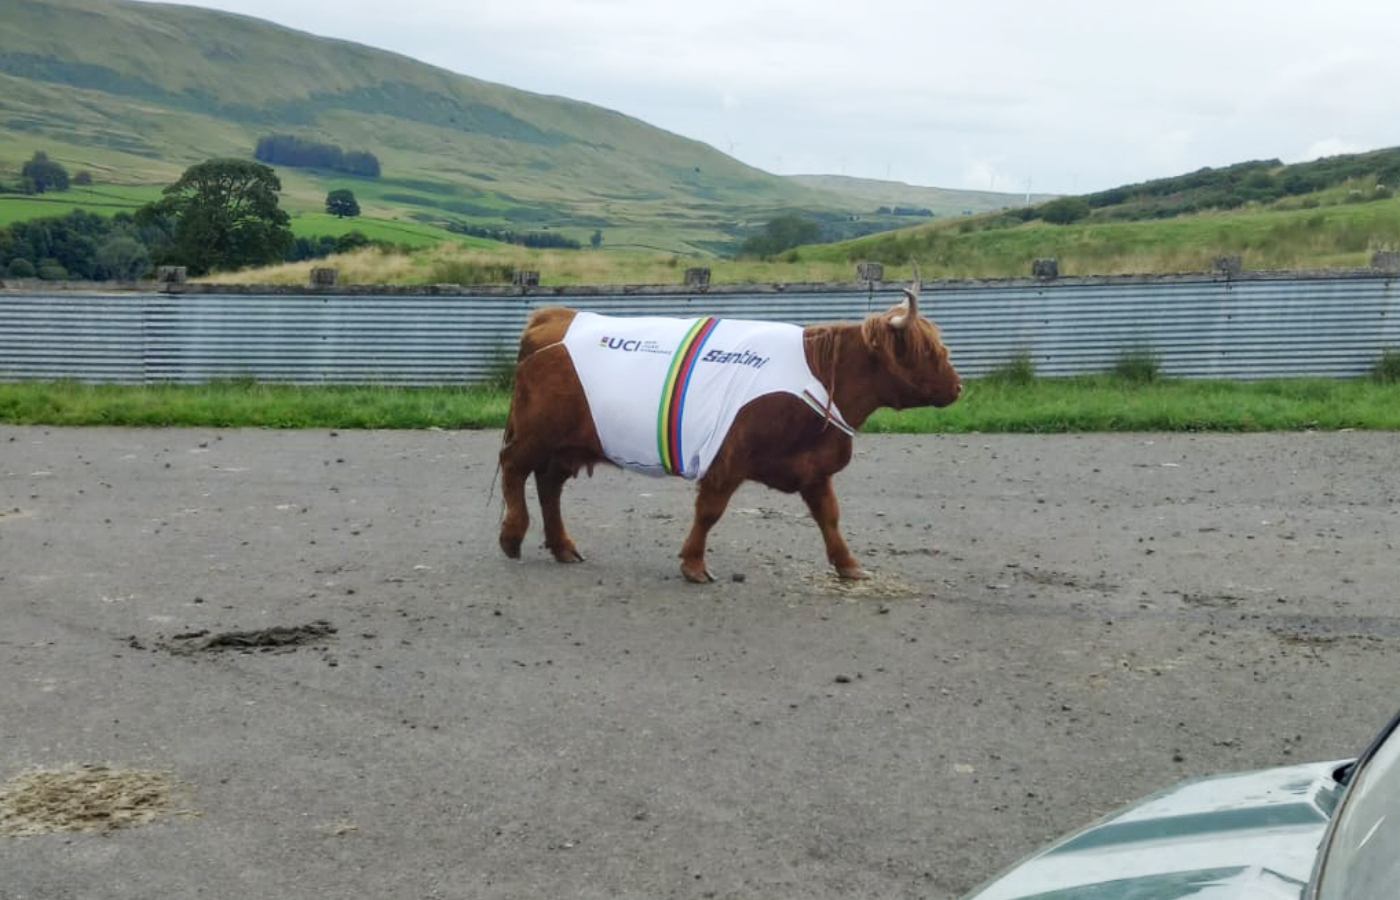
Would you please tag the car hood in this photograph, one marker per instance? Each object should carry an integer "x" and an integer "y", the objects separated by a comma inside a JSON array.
[{"x": 1251, "y": 835}]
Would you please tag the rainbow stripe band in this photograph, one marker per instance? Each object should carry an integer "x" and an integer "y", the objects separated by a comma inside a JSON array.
[{"x": 672, "y": 406}]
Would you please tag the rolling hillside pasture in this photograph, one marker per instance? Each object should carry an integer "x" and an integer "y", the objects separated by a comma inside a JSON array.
[
  {"x": 406, "y": 234},
  {"x": 102, "y": 199},
  {"x": 1342, "y": 235}
]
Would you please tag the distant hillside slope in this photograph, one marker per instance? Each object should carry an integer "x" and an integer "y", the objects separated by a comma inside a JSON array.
[
  {"x": 1331, "y": 212},
  {"x": 873, "y": 193},
  {"x": 1264, "y": 181},
  {"x": 135, "y": 92}
]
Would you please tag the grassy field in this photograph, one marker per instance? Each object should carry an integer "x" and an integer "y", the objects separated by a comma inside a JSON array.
[
  {"x": 407, "y": 234},
  {"x": 1100, "y": 403},
  {"x": 103, "y": 199},
  {"x": 462, "y": 263}
]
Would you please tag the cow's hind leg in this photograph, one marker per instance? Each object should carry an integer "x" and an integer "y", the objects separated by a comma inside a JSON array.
[
  {"x": 821, "y": 500},
  {"x": 517, "y": 517},
  {"x": 710, "y": 504},
  {"x": 549, "y": 481}
]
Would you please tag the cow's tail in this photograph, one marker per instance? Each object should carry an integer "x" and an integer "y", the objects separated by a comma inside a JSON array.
[{"x": 507, "y": 438}]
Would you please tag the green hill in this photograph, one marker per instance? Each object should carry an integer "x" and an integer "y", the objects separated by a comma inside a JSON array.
[
  {"x": 1332, "y": 212},
  {"x": 135, "y": 92},
  {"x": 872, "y": 193}
]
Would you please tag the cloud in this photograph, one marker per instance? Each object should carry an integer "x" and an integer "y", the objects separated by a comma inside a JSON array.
[{"x": 1331, "y": 146}]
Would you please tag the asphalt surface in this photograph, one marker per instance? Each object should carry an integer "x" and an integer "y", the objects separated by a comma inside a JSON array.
[{"x": 1057, "y": 625}]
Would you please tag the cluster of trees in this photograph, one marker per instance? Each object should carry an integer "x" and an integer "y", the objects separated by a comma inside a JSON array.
[
  {"x": 782, "y": 233},
  {"x": 290, "y": 150},
  {"x": 40, "y": 175},
  {"x": 905, "y": 211},
  {"x": 536, "y": 239},
  {"x": 304, "y": 248},
  {"x": 222, "y": 214},
  {"x": 80, "y": 245}
]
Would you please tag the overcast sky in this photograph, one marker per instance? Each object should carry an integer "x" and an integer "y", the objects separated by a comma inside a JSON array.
[{"x": 1065, "y": 96}]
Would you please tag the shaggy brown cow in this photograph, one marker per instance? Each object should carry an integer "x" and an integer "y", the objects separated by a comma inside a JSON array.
[{"x": 895, "y": 359}]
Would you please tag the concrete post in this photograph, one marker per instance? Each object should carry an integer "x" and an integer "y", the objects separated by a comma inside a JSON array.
[
  {"x": 1229, "y": 266},
  {"x": 870, "y": 271},
  {"x": 1386, "y": 260}
]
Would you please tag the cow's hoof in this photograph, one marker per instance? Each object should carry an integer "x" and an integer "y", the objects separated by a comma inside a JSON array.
[
  {"x": 697, "y": 574},
  {"x": 511, "y": 546},
  {"x": 568, "y": 554},
  {"x": 853, "y": 573}
]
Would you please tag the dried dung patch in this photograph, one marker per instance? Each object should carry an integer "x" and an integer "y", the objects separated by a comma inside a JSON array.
[
  {"x": 87, "y": 798},
  {"x": 878, "y": 586},
  {"x": 1313, "y": 639},
  {"x": 278, "y": 637}
]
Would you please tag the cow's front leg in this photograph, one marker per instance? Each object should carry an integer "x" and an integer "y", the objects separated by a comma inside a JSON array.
[
  {"x": 821, "y": 500},
  {"x": 710, "y": 502}
]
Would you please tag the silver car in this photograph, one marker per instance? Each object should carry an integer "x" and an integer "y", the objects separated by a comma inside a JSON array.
[{"x": 1321, "y": 831}]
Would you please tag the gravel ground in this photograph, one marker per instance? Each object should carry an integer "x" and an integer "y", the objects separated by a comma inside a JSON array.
[{"x": 1057, "y": 625}]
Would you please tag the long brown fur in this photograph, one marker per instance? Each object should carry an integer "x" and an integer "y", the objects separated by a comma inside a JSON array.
[{"x": 895, "y": 359}]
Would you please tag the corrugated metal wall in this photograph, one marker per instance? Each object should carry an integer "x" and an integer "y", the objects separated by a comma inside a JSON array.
[{"x": 1244, "y": 329}]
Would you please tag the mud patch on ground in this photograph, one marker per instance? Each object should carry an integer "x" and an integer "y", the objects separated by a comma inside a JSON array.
[
  {"x": 88, "y": 798},
  {"x": 1202, "y": 600},
  {"x": 279, "y": 638},
  {"x": 1314, "y": 639}
]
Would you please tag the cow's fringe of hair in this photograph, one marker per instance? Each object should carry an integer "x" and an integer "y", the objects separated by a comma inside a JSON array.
[{"x": 912, "y": 341}]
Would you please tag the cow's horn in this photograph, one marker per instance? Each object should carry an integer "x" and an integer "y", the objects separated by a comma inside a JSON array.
[{"x": 911, "y": 302}]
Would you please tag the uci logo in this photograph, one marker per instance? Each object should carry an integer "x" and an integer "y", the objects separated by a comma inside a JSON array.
[{"x": 630, "y": 345}]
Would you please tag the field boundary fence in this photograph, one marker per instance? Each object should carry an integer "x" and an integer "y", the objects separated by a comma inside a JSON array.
[{"x": 1244, "y": 328}]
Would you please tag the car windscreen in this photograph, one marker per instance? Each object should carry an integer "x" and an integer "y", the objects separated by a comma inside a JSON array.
[{"x": 1362, "y": 858}]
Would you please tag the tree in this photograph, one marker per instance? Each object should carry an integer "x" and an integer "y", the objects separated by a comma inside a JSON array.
[
  {"x": 597, "y": 239},
  {"x": 20, "y": 268},
  {"x": 1065, "y": 210},
  {"x": 222, "y": 213},
  {"x": 782, "y": 233},
  {"x": 342, "y": 203},
  {"x": 122, "y": 257},
  {"x": 42, "y": 174}
]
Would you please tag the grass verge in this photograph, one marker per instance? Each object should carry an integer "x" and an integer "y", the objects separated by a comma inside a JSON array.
[
  {"x": 1089, "y": 404},
  {"x": 242, "y": 404}
]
